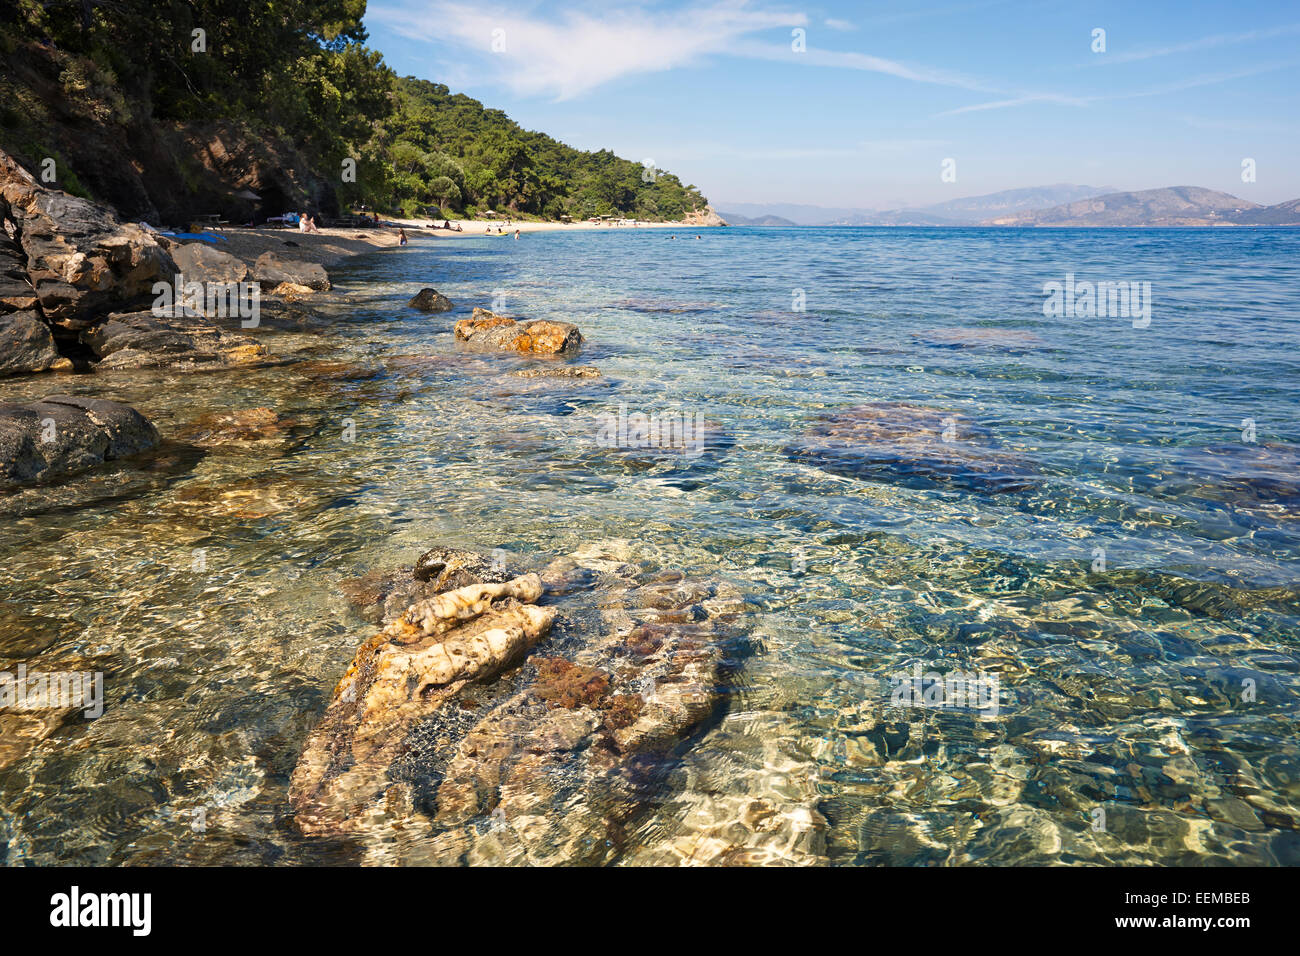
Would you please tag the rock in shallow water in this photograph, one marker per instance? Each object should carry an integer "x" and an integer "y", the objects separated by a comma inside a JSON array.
[
  {"x": 63, "y": 434},
  {"x": 430, "y": 300},
  {"x": 180, "y": 342},
  {"x": 270, "y": 270},
  {"x": 487, "y": 330},
  {"x": 560, "y": 371},
  {"x": 551, "y": 761},
  {"x": 910, "y": 445},
  {"x": 402, "y": 674},
  {"x": 26, "y": 345}
]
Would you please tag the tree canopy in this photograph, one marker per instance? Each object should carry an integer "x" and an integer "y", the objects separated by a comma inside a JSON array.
[{"x": 299, "y": 71}]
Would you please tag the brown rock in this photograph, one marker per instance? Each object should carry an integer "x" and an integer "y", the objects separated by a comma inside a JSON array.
[{"x": 487, "y": 330}]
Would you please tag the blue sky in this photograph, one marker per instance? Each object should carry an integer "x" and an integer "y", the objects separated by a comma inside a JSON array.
[{"x": 884, "y": 92}]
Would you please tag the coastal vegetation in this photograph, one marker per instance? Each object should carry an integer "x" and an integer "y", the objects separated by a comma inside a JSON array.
[{"x": 166, "y": 110}]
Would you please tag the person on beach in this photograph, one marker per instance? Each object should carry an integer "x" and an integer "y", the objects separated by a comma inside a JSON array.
[
  {"x": 401, "y": 237},
  {"x": 516, "y": 234}
]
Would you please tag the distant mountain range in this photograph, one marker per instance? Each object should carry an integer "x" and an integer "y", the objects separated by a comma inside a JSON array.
[
  {"x": 970, "y": 211},
  {"x": 1172, "y": 206},
  {"x": 735, "y": 219},
  {"x": 1062, "y": 204}
]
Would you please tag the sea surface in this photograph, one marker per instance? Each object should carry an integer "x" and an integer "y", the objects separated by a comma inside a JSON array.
[{"x": 1135, "y": 604}]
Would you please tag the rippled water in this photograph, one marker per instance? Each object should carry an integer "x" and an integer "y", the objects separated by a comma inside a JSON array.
[{"x": 1160, "y": 689}]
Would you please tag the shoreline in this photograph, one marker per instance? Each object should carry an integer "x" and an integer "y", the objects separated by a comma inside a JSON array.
[{"x": 334, "y": 245}]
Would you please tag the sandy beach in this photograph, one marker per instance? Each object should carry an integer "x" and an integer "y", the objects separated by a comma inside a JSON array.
[{"x": 331, "y": 246}]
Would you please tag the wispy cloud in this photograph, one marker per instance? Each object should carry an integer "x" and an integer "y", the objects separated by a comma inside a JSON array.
[
  {"x": 1019, "y": 101},
  {"x": 835, "y": 23},
  {"x": 1192, "y": 46},
  {"x": 850, "y": 60},
  {"x": 1210, "y": 79},
  {"x": 579, "y": 52}
]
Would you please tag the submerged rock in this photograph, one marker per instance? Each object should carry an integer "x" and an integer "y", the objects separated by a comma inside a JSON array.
[
  {"x": 489, "y": 331},
  {"x": 910, "y": 445},
  {"x": 559, "y": 371},
  {"x": 260, "y": 427},
  {"x": 430, "y": 300},
  {"x": 270, "y": 270},
  {"x": 404, "y": 673},
  {"x": 1001, "y": 339},
  {"x": 551, "y": 761},
  {"x": 26, "y": 345},
  {"x": 62, "y": 434},
  {"x": 180, "y": 342}
]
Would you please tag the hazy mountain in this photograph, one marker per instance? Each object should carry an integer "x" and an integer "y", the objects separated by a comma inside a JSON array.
[
  {"x": 970, "y": 210},
  {"x": 734, "y": 219},
  {"x": 978, "y": 208},
  {"x": 1172, "y": 206},
  {"x": 800, "y": 215},
  {"x": 1283, "y": 214}
]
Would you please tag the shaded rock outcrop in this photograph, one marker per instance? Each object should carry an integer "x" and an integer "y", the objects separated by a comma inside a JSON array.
[
  {"x": 491, "y": 332},
  {"x": 180, "y": 342},
  {"x": 16, "y": 292},
  {"x": 271, "y": 271},
  {"x": 81, "y": 261},
  {"x": 1263, "y": 477},
  {"x": 62, "y": 434},
  {"x": 430, "y": 300},
  {"x": 26, "y": 345},
  {"x": 911, "y": 445}
]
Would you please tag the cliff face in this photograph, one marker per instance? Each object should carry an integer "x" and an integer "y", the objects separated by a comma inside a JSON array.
[
  {"x": 109, "y": 148},
  {"x": 705, "y": 217}
]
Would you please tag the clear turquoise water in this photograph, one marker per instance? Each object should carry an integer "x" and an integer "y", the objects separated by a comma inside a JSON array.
[{"x": 1120, "y": 689}]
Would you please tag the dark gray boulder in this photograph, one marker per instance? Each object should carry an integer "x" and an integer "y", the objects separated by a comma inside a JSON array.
[
  {"x": 26, "y": 345},
  {"x": 181, "y": 342},
  {"x": 270, "y": 270},
  {"x": 62, "y": 434},
  {"x": 200, "y": 262},
  {"x": 430, "y": 300}
]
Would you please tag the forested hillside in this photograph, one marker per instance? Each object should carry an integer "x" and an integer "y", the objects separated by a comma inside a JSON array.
[
  {"x": 167, "y": 108},
  {"x": 448, "y": 148}
]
